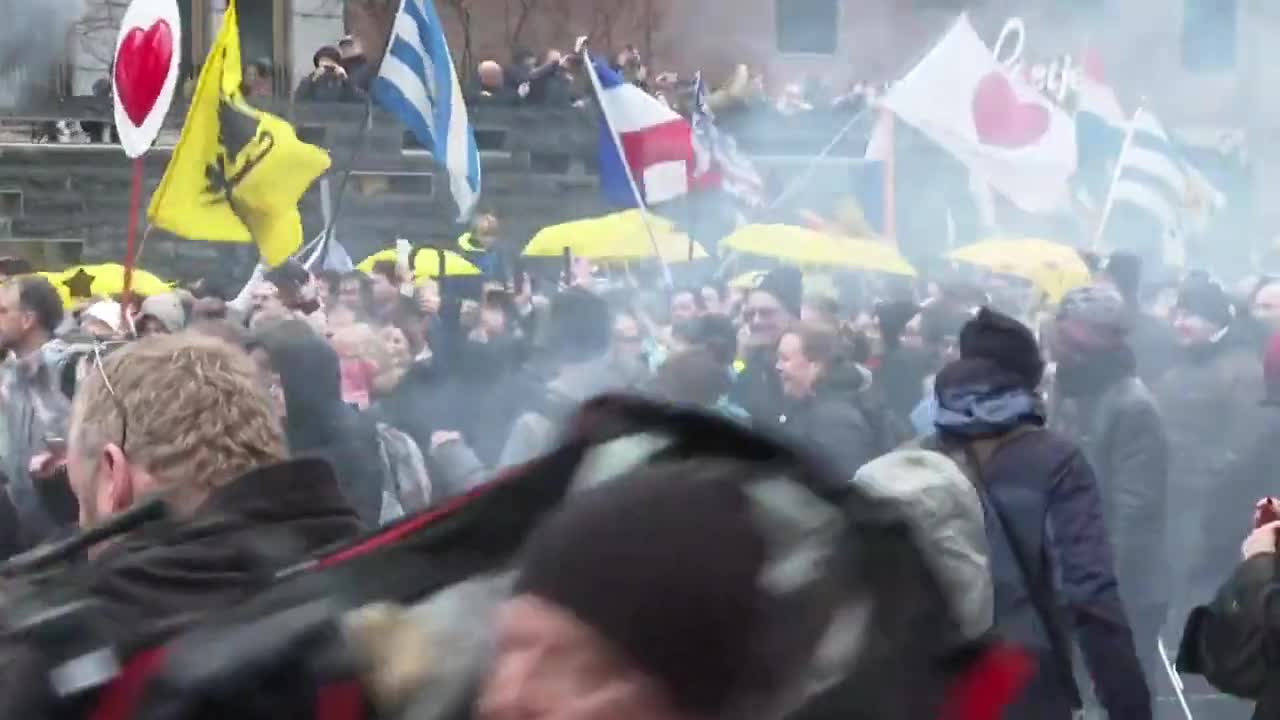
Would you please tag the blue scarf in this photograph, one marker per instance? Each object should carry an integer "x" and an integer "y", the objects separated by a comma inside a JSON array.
[{"x": 982, "y": 410}]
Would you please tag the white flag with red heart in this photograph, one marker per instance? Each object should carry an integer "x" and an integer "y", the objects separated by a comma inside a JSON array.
[
  {"x": 990, "y": 119},
  {"x": 145, "y": 71}
]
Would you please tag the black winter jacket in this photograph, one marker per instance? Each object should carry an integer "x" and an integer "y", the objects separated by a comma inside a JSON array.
[
  {"x": 167, "y": 576},
  {"x": 1119, "y": 428}
]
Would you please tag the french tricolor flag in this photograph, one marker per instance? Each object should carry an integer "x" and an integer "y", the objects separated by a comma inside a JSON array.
[{"x": 646, "y": 148}]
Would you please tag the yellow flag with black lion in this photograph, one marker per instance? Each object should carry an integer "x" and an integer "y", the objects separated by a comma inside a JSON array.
[{"x": 237, "y": 173}]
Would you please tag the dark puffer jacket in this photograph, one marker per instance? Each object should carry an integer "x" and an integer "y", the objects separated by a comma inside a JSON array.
[
  {"x": 832, "y": 422},
  {"x": 1113, "y": 417},
  {"x": 318, "y": 423}
]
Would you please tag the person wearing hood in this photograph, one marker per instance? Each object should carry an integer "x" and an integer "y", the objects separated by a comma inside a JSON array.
[
  {"x": 771, "y": 308},
  {"x": 1051, "y": 558},
  {"x": 904, "y": 362},
  {"x": 1100, "y": 403},
  {"x": 1209, "y": 400},
  {"x": 821, "y": 383},
  {"x": 305, "y": 369},
  {"x": 161, "y": 314}
]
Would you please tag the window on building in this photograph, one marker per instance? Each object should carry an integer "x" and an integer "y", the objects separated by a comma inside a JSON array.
[
  {"x": 1209, "y": 35},
  {"x": 808, "y": 26}
]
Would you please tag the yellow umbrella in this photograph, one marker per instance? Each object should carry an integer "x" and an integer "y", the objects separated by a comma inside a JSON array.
[
  {"x": 426, "y": 263},
  {"x": 366, "y": 265},
  {"x": 810, "y": 247},
  {"x": 85, "y": 281},
  {"x": 1052, "y": 267},
  {"x": 620, "y": 236}
]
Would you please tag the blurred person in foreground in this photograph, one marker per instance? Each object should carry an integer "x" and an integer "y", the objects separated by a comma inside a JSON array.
[
  {"x": 1051, "y": 559},
  {"x": 771, "y": 308},
  {"x": 606, "y": 624},
  {"x": 1209, "y": 402},
  {"x": 184, "y": 416},
  {"x": 34, "y": 408},
  {"x": 1100, "y": 403}
]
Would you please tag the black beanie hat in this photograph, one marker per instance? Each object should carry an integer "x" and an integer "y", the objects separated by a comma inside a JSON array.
[
  {"x": 893, "y": 317},
  {"x": 665, "y": 568},
  {"x": 787, "y": 285},
  {"x": 1208, "y": 300},
  {"x": 1005, "y": 342}
]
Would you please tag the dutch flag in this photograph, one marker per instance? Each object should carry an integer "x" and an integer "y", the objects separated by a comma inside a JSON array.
[
  {"x": 419, "y": 85},
  {"x": 646, "y": 148}
]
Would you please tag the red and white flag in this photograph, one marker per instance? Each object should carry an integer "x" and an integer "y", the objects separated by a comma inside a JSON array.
[{"x": 1006, "y": 132}]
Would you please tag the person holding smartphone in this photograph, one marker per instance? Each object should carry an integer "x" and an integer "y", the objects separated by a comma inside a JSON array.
[{"x": 1230, "y": 641}]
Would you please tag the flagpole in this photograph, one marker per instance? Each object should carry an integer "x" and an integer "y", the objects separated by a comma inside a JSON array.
[
  {"x": 331, "y": 225},
  {"x": 813, "y": 163},
  {"x": 631, "y": 181},
  {"x": 1115, "y": 180},
  {"x": 890, "y": 223}
]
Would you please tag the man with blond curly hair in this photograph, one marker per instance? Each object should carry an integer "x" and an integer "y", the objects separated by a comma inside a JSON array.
[{"x": 187, "y": 416}]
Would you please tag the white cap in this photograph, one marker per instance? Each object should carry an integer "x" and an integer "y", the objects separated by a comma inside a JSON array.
[{"x": 106, "y": 312}]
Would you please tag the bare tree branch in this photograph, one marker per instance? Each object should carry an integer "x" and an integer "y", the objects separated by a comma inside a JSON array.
[
  {"x": 463, "y": 10},
  {"x": 604, "y": 18},
  {"x": 527, "y": 9}
]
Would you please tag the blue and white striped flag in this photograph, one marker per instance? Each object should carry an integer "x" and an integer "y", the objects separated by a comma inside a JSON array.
[
  {"x": 419, "y": 84},
  {"x": 1152, "y": 175},
  {"x": 1153, "y": 179}
]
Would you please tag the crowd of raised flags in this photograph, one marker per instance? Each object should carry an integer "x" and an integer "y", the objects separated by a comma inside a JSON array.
[{"x": 237, "y": 173}]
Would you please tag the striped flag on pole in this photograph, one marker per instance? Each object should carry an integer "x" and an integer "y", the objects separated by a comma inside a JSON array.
[
  {"x": 1152, "y": 180},
  {"x": 716, "y": 154},
  {"x": 1150, "y": 174},
  {"x": 419, "y": 85}
]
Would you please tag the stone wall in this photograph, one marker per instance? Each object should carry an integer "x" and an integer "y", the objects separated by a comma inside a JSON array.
[{"x": 538, "y": 164}]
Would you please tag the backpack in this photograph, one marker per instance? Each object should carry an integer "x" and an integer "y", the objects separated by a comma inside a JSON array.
[
  {"x": 946, "y": 515},
  {"x": 970, "y": 458}
]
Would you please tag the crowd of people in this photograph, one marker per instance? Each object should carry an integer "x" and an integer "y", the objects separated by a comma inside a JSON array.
[{"x": 1078, "y": 477}]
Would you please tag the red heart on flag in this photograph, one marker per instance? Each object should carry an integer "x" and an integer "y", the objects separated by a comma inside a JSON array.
[
  {"x": 1002, "y": 119},
  {"x": 142, "y": 64}
]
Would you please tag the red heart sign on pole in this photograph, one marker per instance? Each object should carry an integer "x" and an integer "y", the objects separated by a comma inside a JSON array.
[
  {"x": 142, "y": 64},
  {"x": 145, "y": 71}
]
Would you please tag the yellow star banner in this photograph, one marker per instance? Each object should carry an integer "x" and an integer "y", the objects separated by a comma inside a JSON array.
[{"x": 237, "y": 173}]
